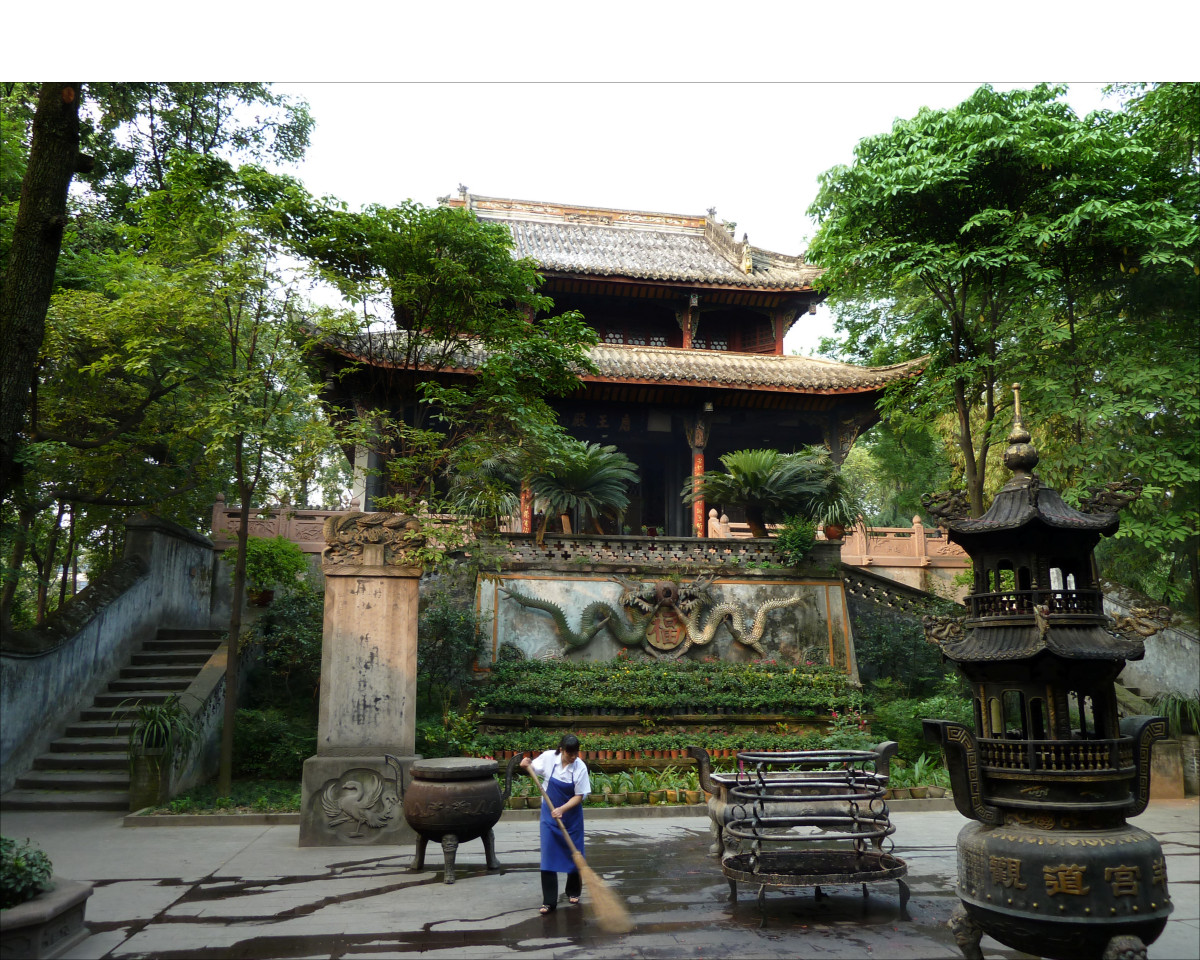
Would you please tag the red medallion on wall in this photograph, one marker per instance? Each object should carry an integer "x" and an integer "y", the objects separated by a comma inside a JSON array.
[{"x": 667, "y": 630}]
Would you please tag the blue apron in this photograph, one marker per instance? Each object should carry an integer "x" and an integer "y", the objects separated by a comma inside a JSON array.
[{"x": 556, "y": 856}]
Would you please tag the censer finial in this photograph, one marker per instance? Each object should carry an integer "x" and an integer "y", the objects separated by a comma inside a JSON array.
[{"x": 1020, "y": 457}]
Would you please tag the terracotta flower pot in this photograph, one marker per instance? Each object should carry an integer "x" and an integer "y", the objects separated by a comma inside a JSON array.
[{"x": 693, "y": 796}]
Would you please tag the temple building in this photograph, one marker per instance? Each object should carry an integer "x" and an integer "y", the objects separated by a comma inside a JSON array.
[{"x": 691, "y": 364}]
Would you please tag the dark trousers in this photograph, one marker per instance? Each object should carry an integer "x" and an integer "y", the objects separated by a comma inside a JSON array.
[{"x": 550, "y": 886}]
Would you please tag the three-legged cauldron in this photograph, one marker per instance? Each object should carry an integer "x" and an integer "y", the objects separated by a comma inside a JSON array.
[{"x": 452, "y": 800}]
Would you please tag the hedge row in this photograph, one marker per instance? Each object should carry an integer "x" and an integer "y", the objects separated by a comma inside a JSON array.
[{"x": 695, "y": 686}]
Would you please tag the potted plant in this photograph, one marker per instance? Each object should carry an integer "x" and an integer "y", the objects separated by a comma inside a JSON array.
[
  {"x": 43, "y": 913},
  {"x": 691, "y": 789},
  {"x": 836, "y": 509},
  {"x": 270, "y": 562},
  {"x": 160, "y": 736},
  {"x": 1183, "y": 719},
  {"x": 765, "y": 484}
]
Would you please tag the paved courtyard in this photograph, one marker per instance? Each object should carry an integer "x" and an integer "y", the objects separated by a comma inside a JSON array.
[{"x": 245, "y": 891}]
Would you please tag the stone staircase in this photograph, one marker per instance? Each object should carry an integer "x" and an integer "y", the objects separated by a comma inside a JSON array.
[{"x": 88, "y": 767}]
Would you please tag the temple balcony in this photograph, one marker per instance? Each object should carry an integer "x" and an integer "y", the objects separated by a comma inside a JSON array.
[{"x": 1022, "y": 602}]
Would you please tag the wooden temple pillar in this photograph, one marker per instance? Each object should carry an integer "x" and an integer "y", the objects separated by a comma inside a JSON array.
[
  {"x": 526, "y": 508},
  {"x": 697, "y": 430}
]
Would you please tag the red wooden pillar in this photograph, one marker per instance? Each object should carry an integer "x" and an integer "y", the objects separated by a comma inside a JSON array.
[
  {"x": 697, "y": 429},
  {"x": 526, "y": 509}
]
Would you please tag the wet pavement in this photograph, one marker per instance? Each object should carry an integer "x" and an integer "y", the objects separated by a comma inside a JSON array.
[{"x": 242, "y": 891}]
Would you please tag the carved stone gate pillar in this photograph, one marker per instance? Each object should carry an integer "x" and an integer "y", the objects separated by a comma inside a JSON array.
[{"x": 366, "y": 729}]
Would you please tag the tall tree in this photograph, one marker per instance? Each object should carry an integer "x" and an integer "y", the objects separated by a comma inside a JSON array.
[
  {"x": 955, "y": 229},
  {"x": 54, "y": 158},
  {"x": 210, "y": 232}
]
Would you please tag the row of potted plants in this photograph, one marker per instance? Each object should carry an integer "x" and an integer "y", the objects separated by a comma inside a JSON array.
[
  {"x": 624, "y": 686},
  {"x": 633, "y": 787},
  {"x": 634, "y": 745}
]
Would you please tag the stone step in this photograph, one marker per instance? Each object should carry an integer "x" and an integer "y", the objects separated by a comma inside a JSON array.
[
  {"x": 160, "y": 670},
  {"x": 131, "y": 697},
  {"x": 90, "y": 760},
  {"x": 74, "y": 780},
  {"x": 149, "y": 683},
  {"x": 170, "y": 657},
  {"x": 167, "y": 646},
  {"x": 97, "y": 723},
  {"x": 186, "y": 633},
  {"x": 65, "y": 800},
  {"x": 98, "y": 743}
]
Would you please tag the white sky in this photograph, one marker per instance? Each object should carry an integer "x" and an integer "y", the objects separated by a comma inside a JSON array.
[
  {"x": 614, "y": 145},
  {"x": 667, "y": 105}
]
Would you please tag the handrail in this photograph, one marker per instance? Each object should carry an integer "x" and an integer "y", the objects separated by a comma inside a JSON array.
[{"x": 1009, "y": 602}]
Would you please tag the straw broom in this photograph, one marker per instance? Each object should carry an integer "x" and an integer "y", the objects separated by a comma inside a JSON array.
[{"x": 611, "y": 915}]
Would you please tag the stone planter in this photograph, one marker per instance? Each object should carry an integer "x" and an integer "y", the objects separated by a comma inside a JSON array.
[
  {"x": 48, "y": 925},
  {"x": 1189, "y": 749},
  {"x": 149, "y": 777}
]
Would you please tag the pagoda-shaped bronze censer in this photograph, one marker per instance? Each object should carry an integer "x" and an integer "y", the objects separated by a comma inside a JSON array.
[{"x": 1050, "y": 773}]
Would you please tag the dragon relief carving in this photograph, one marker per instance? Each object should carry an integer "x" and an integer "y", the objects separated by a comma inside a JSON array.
[
  {"x": 346, "y": 535},
  {"x": 947, "y": 505},
  {"x": 668, "y": 619}
]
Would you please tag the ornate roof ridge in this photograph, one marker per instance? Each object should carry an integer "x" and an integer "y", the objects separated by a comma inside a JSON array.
[{"x": 609, "y": 241}]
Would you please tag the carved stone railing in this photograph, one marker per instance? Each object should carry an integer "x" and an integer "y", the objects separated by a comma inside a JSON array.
[{"x": 302, "y": 527}]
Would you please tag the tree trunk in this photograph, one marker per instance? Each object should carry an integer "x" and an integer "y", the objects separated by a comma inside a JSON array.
[
  {"x": 29, "y": 276},
  {"x": 756, "y": 522},
  {"x": 10, "y": 577},
  {"x": 233, "y": 652}
]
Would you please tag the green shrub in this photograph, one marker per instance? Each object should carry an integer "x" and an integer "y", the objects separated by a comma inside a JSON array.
[
  {"x": 900, "y": 720},
  {"x": 893, "y": 647},
  {"x": 271, "y": 744},
  {"x": 288, "y": 636},
  {"x": 270, "y": 562},
  {"x": 25, "y": 872},
  {"x": 449, "y": 642},
  {"x": 795, "y": 538}
]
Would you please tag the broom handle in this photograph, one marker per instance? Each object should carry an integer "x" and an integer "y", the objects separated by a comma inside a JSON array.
[{"x": 562, "y": 826}]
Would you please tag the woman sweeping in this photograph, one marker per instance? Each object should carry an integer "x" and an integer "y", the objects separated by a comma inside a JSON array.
[{"x": 565, "y": 779}]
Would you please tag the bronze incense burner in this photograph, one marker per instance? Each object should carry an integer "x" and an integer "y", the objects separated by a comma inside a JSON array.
[{"x": 1050, "y": 773}]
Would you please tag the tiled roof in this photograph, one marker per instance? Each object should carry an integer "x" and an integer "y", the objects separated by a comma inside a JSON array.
[
  {"x": 1023, "y": 500},
  {"x": 671, "y": 365},
  {"x": 636, "y": 244},
  {"x": 1020, "y": 642}
]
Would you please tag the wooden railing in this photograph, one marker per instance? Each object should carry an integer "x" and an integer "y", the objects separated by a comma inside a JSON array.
[
  {"x": 1058, "y": 756},
  {"x": 1023, "y": 601}
]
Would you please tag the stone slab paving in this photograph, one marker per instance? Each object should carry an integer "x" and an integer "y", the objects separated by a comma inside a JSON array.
[{"x": 249, "y": 891}]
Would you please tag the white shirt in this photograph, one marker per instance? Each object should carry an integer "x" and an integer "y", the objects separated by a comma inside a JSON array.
[{"x": 548, "y": 766}]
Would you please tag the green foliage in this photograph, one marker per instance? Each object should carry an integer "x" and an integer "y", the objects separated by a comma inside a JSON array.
[
  {"x": 1182, "y": 713},
  {"x": 454, "y": 734},
  {"x": 587, "y": 477},
  {"x": 768, "y": 485},
  {"x": 271, "y": 562},
  {"x": 900, "y": 720},
  {"x": 652, "y": 687},
  {"x": 892, "y": 465},
  {"x": 894, "y": 655},
  {"x": 448, "y": 643},
  {"x": 1008, "y": 239},
  {"x": 25, "y": 872},
  {"x": 288, "y": 635},
  {"x": 168, "y": 726},
  {"x": 272, "y": 744},
  {"x": 245, "y": 796},
  {"x": 795, "y": 538}
]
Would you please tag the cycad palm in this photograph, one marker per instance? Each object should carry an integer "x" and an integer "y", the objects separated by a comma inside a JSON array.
[
  {"x": 767, "y": 484},
  {"x": 587, "y": 476}
]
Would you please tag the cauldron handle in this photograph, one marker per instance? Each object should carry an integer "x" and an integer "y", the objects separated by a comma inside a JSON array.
[
  {"x": 395, "y": 765},
  {"x": 508, "y": 773},
  {"x": 700, "y": 755}
]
